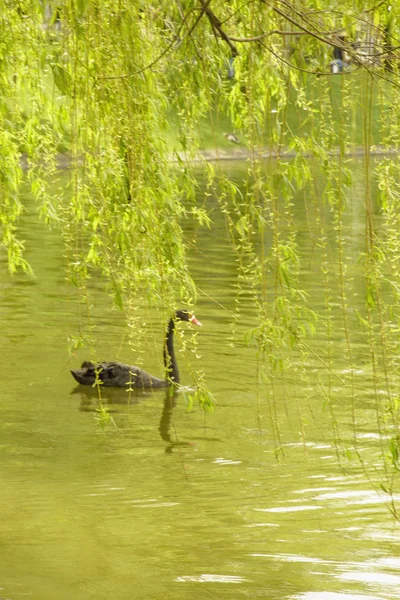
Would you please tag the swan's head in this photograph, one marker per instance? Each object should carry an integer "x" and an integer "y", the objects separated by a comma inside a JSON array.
[{"x": 186, "y": 315}]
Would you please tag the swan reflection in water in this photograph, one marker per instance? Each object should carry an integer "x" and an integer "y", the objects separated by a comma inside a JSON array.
[
  {"x": 165, "y": 422},
  {"x": 117, "y": 400}
]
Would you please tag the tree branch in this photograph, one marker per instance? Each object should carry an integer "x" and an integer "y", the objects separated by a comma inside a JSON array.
[
  {"x": 216, "y": 25},
  {"x": 292, "y": 66},
  {"x": 375, "y": 7},
  {"x": 276, "y": 32},
  {"x": 305, "y": 29},
  {"x": 159, "y": 57}
]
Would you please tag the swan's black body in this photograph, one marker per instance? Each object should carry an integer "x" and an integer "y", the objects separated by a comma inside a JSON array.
[{"x": 115, "y": 374}]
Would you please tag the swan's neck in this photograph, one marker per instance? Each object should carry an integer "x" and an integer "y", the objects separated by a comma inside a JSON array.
[{"x": 169, "y": 355}]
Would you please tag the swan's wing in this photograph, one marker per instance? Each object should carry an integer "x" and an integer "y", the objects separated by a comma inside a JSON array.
[{"x": 123, "y": 375}]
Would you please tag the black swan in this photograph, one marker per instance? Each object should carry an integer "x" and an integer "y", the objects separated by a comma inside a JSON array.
[{"x": 114, "y": 374}]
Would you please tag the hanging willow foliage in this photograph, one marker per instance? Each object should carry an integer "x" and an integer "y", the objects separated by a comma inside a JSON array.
[{"x": 103, "y": 81}]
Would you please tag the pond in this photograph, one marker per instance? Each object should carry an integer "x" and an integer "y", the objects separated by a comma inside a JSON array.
[{"x": 248, "y": 502}]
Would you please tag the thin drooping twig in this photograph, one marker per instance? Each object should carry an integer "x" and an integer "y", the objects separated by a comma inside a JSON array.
[
  {"x": 219, "y": 32},
  {"x": 292, "y": 66},
  {"x": 375, "y": 7},
  {"x": 358, "y": 18},
  {"x": 159, "y": 57},
  {"x": 319, "y": 37},
  {"x": 336, "y": 43},
  {"x": 190, "y": 31},
  {"x": 198, "y": 19},
  {"x": 245, "y": 4},
  {"x": 216, "y": 25},
  {"x": 275, "y": 32}
]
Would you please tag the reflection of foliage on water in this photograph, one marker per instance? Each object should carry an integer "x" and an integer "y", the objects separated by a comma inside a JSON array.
[{"x": 102, "y": 86}]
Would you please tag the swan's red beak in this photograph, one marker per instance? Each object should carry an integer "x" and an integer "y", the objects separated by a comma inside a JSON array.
[{"x": 195, "y": 321}]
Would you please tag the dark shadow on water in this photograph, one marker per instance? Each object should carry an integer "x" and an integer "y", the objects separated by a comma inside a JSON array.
[
  {"x": 116, "y": 396},
  {"x": 165, "y": 422},
  {"x": 89, "y": 402}
]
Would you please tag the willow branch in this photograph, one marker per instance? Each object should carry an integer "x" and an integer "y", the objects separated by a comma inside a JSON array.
[
  {"x": 216, "y": 25},
  {"x": 276, "y": 32},
  {"x": 304, "y": 16},
  {"x": 219, "y": 32},
  {"x": 292, "y": 66},
  {"x": 375, "y": 7},
  {"x": 305, "y": 29},
  {"x": 159, "y": 57},
  {"x": 244, "y": 5}
]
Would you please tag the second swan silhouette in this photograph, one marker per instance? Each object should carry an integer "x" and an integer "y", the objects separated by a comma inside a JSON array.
[{"x": 115, "y": 374}]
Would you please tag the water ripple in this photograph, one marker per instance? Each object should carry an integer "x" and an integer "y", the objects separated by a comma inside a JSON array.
[{"x": 209, "y": 578}]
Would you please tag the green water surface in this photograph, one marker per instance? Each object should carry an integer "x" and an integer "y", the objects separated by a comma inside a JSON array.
[{"x": 172, "y": 504}]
